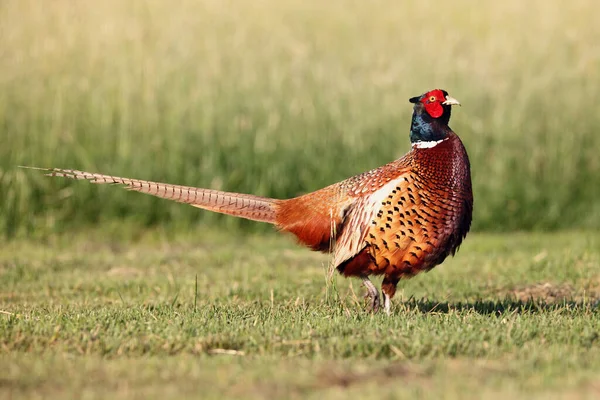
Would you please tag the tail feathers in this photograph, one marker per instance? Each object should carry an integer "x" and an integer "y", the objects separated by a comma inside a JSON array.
[{"x": 240, "y": 205}]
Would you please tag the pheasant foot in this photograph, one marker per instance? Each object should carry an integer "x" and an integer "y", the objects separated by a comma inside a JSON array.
[
  {"x": 372, "y": 295},
  {"x": 386, "y": 303}
]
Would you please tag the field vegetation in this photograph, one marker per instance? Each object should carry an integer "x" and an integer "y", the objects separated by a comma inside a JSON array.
[
  {"x": 216, "y": 315},
  {"x": 282, "y": 98}
]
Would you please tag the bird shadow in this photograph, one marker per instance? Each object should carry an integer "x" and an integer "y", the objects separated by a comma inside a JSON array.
[{"x": 496, "y": 307}]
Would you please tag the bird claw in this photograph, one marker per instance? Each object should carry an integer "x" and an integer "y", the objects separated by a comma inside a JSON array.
[
  {"x": 373, "y": 295},
  {"x": 375, "y": 303}
]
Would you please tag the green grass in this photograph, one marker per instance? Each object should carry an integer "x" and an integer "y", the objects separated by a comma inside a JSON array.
[
  {"x": 125, "y": 313},
  {"x": 280, "y": 98}
]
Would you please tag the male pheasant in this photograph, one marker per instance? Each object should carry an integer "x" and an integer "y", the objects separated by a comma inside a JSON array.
[{"x": 396, "y": 220}]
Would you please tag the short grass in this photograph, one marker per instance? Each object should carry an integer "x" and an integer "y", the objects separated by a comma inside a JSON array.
[
  {"x": 127, "y": 313},
  {"x": 280, "y": 98}
]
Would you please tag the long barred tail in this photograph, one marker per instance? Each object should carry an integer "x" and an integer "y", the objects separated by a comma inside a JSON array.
[{"x": 240, "y": 205}]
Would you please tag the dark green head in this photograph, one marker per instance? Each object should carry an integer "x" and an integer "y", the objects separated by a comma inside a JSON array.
[{"x": 431, "y": 114}]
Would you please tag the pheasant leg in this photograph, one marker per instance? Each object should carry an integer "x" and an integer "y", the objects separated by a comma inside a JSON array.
[
  {"x": 388, "y": 290},
  {"x": 386, "y": 302},
  {"x": 372, "y": 294}
]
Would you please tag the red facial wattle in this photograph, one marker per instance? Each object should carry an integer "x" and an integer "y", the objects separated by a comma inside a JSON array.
[
  {"x": 433, "y": 103},
  {"x": 434, "y": 109}
]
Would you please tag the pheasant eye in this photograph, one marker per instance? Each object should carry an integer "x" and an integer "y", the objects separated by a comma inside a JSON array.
[{"x": 432, "y": 99}]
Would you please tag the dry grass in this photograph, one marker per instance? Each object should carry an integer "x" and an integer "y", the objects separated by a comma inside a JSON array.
[{"x": 279, "y": 98}]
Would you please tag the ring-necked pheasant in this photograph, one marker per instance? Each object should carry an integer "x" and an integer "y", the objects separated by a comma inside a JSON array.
[{"x": 396, "y": 220}]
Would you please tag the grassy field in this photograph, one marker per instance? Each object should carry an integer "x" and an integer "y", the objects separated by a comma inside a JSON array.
[
  {"x": 283, "y": 97},
  {"x": 99, "y": 314}
]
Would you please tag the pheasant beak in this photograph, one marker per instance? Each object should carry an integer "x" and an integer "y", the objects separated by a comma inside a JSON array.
[{"x": 451, "y": 101}]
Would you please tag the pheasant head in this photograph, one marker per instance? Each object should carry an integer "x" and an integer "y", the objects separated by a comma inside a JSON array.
[{"x": 431, "y": 115}]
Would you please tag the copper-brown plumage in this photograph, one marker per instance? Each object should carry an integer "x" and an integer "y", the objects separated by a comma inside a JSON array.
[{"x": 396, "y": 220}]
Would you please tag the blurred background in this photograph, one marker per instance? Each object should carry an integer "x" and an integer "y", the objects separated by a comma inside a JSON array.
[{"x": 279, "y": 98}]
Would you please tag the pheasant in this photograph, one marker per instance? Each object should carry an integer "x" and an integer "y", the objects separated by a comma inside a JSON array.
[{"x": 396, "y": 220}]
